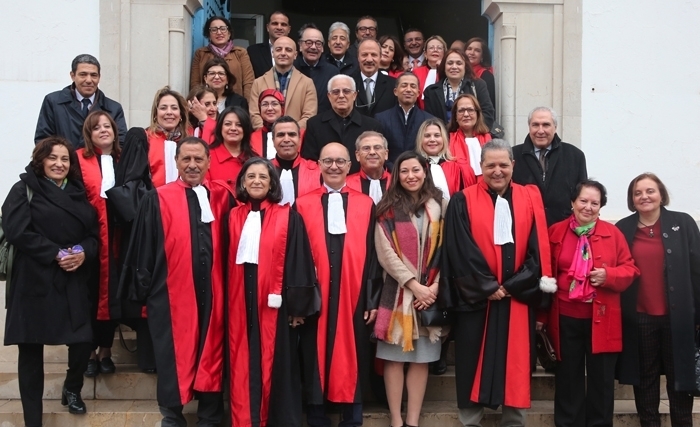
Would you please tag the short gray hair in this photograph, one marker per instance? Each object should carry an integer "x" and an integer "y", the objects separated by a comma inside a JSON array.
[
  {"x": 339, "y": 26},
  {"x": 341, "y": 76},
  {"x": 367, "y": 134},
  {"x": 497, "y": 145},
  {"x": 84, "y": 58},
  {"x": 545, "y": 109}
]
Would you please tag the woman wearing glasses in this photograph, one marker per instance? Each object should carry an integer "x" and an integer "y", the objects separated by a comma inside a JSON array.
[
  {"x": 456, "y": 77},
  {"x": 468, "y": 132},
  {"x": 218, "y": 77},
  {"x": 435, "y": 48},
  {"x": 218, "y": 30}
]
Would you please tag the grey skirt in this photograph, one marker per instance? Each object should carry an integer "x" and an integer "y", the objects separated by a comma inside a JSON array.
[{"x": 424, "y": 351}]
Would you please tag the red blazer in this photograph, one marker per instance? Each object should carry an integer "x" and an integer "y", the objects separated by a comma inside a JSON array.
[
  {"x": 422, "y": 74},
  {"x": 610, "y": 251},
  {"x": 223, "y": 166}
]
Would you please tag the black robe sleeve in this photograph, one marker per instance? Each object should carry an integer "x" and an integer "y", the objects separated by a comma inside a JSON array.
[
  {"x": 373, "y": 271},
  {"x": 466, "y": 280},
  {"x": 302, "y": 293},
  {"x": 524, "y": 284},
  {"x": 145, "y": 247}
]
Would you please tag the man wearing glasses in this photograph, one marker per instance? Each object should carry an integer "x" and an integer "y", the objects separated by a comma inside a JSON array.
[
  {"x": 366, "y": 28},
  {"x": 342, "y": 123},
  {"x": 375, "y": 94},
  {"x": 310, "y": 63},
  {"x": 335, "y": 345},
  {"x": 372, "y": 151},
  {"x": 261, "y": 53},
  {"x": 298, "y": 90},
  {"x": 413, "y": 44}
]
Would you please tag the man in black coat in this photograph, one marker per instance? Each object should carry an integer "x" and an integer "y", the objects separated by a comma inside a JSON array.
[
  {"x": 310, "y": 63},
  {"x": 63, "y": 112},
  {"x": 342, "y": 123},
  {"x": 402, "y": 121},
  {"x": 551, "y": 164},
  {"x": 261, "y": 53},
  {"x": 379, "y": 95},
  {"x": 338, "y": 45}
]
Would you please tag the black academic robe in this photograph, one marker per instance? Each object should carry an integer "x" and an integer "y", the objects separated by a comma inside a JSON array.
[
  {"x": 175, "y": 265},
  {"x": 264, "y": 367},
  {"x": 494, "y": 340},
  {"x": 335, "y": 345}
]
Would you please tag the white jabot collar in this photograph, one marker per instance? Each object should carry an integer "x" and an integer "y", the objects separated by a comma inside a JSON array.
[
  {"x": 249, "y": 244},
  {"x": 375, "y": 190},
  {"x": 336, "y": 212},
  {"x": 271, "y": 152},
  {"x": 439, "y": 178},
  {"x": 204, "y": 206},
  {"x": 169, "y": 148},
  {"x": 287, "y": 184},
  {"x": 474, "y": 149},
  {"x": 107, "y": 164},
  {"x": 502, "y": 222}
]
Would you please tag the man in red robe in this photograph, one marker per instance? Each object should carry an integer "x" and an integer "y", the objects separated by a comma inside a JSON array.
[
  {"x": 496, "y": 266},
  {"x": 372, "y": 151},
  {"x": 175, "y": 265},
  {"x": 335, "y": 345},
  {"x": 297, "y": 176}
]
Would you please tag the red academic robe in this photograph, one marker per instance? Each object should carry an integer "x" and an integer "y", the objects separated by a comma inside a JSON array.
[
  {"x": 308, "y": 175},
  {"x": 256, "y": 141},
  {"x": 156, "y": 157},
  {"x": 189, "y": 355},
  {"x": 340, "y": 341},
  {"x": 223, "y": 166},
  {"x": 459, "y": 174},
  {"x": 458, "y": 148},
  {"x": 360, "y": 182},
  {"x": 284, "y": 268}
]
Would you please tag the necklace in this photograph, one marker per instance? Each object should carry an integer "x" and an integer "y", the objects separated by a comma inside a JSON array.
[{"x": 651, "y": 231}]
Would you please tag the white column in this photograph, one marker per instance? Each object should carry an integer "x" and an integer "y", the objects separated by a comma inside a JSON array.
[
  {"x": 176, "y": 40},
  {"x": 508, "y": 89}
]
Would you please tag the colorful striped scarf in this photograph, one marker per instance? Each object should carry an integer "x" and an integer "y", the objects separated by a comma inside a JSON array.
[{"x": 396, "y": 318}]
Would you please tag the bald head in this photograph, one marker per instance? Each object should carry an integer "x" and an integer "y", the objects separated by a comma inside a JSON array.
[
  {"x": 284, "y": 52},
  {"x": 334, "y": 174}
]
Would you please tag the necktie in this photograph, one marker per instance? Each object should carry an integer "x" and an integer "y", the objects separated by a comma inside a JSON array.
[
  {"x": 416, "y": 64},
  {"x": 249, "y": 243},
  {"x": 339, "y": 63},
  {"x": 368, "y": 90},
  {"x": 543, "y": 162},
  {"x": 86, "y": 106}
]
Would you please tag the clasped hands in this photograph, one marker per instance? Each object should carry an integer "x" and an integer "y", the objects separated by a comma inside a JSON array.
[
  {"x": 423, "y": 296},
  {"x": 70, "y": 259}
]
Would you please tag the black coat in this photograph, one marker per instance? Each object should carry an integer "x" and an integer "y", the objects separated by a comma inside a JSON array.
[
  {"x": 326, "y": 127},
  {"x": 382, "y": 98},
  {"x": 399, "y": 133},
  {"x": 566, "y": 167},
  {"x": 260, "y": 57},
  {"x": 47, "y": 305},
  {"x": 320, "y": 74},
  {"x": 348, "y": 66},
  {"x": 434, "y": 99},
  {"x": 61, "y": 114},
  {"x": 236, "y": 100},
  {"x": 681, "y": 239}
]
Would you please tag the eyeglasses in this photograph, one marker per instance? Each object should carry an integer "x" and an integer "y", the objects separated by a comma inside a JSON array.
[
  {"x": 266, "y": 105},
  {"x": 216, "y": 74},
  {"x": 345, "y": 91},
  {"x": 438, "y": 48},
  {"x": 365, "y": 29},
  {"x": 369, "y": 148},
  {"x": 469, "y": 111},
  {"x": 218, "y": 30},
  {"x": 309, "y": 43},
  {"x": 328, "y": 162}
]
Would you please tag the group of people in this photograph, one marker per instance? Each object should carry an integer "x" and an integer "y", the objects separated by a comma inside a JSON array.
[{"x": 295, "y": 218}]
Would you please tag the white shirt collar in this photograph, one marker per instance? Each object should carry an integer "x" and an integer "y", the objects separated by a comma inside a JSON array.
[
  {"x": 80, "y": 97},
  {"x": 332, "y": 190},
  {"x": 373, "y": 77}
]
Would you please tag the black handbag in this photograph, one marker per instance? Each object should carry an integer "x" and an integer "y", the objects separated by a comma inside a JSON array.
[
  {"x": 433, "y": 316},
  {"x": 545, "y": 351}
]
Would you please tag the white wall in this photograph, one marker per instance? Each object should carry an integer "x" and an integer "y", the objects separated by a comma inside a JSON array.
[
  {"x": 37, "y": 44},
  {"x": 641, "y": 97}
]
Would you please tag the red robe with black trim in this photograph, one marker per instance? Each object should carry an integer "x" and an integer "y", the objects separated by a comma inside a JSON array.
[
  {"x": 459, "y": 174},
  {"x": 256, "y": 141},
  {"x": 355, "y": 180},
  {"x": 496, "y": 372},
  {"x": 458, "y": 147},
  {"x": 258, "y": 335},
  {"x": 159, "y": 269},
  {"x": 308, "y": 175},
  {"x": 335, "y": 346},
  {"x": 156, "y": 156}
]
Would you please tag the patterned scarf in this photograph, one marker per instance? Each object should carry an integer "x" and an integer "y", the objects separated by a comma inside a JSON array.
[
  {"x": 396, "y": 318},
  {"x": 580, "y": 288},
  {"x": 221, "y": 52},
  {"x": 175, "y": 135}
]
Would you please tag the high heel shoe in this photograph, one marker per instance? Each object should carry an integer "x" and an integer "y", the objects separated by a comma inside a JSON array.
[{"x": 73, "y": 401}]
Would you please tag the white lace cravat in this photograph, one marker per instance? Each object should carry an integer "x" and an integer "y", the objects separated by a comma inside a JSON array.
[
  {"x": 204, "y": 206},
  {"x": 336, "y": 214},
  {"x": 270, "y": 149},
  {"x": 432, "y": 78},
  {"x": 502, "y": 222},
  {"x": 287, "y": 184},
  {"x": 249, "y": 245},
  {"x": 439, "y": 178},
  {"x": 375, "y": 190},
  {"x": 107, "y": 164},
  {"x": 169, "y": 148},
  {"x": 474, "y": 149}
]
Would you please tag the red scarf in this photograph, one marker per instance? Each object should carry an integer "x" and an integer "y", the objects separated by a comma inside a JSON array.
[{"x": 479, "y": 70}]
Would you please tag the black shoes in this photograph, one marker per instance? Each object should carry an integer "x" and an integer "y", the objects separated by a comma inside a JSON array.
[
  {"x": 93, "y": 369},
  {"x": 438, "y": 367},
  {"x": 73, "y": 401},
  {"x": 107, "y": 366}
]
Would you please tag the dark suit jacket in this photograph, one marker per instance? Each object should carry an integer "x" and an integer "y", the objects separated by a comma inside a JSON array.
[
  {"x": 61, "y": 114},
  {"x": 566, "y": 167},
  {"x": 434, "y": 101},
  {"x": 382, "y": 99},
  {"x": 399, "y": 133},
  {"x": 260, "y": 57},
  {"x": 320, "y": 74},
  {"x": 326, "y": 127},
  {"x": 349, "y": 65}
]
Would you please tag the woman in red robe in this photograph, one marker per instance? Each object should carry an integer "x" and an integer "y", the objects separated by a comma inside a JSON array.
[
  {"x": 231, "y": 146},
  {"x": 468, "y": 132}
]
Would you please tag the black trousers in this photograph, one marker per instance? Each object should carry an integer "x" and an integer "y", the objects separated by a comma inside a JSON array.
[
  {"x": 210, "y": 411},
  {"x": 655, "y": 351},
  {"x": 103, "y": 333},
  {"x": 30, "y": 374},
  {"x": 584, "y": 382}
]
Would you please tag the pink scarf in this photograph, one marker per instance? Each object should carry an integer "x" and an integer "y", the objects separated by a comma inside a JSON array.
[
  {"x": 582, "y": 264},
  {"x": 221, "y": 52}
]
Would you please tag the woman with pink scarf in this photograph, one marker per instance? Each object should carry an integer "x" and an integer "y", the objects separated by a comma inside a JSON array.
[
  {"x": 220, "y": 34},
  {"x": 593, "y": 266}
]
